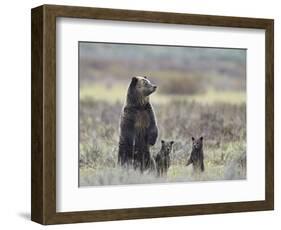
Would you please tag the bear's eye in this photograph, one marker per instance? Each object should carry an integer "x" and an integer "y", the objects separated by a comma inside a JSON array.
[{"x": 145, "y": 83}]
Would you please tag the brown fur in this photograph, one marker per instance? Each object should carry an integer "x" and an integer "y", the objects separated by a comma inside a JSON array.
[
  {"x": 163, "y": 159},
  {"x": 138, "y": 129},
  {"x": 197, "y": 156},
  {"x": 142, "y": 120}
]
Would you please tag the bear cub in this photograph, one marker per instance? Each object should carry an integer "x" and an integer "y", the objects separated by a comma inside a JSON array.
[
  {"x": 162, "y": 159},
  {"x": 197, "y": 156},
  {"x": 138, "y": 128}
]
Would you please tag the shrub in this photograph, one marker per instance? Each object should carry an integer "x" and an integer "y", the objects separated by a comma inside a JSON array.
[{"x": 183, "y": 85}]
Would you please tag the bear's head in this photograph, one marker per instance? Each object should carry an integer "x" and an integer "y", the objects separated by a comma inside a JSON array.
[
  {"x": 197, "y": 144},
  {"x": 166, "y": 147},
  {"x": 142, "y": 86}
]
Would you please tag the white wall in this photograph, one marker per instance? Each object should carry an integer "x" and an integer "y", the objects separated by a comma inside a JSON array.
[{"x": 15, "y": 113}]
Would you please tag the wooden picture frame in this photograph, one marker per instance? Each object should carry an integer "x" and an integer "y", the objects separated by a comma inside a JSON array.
[{"x": 43, "y": 170}]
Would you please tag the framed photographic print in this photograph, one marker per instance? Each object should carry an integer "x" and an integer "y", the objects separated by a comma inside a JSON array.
[{"x": 140, "y": 114}]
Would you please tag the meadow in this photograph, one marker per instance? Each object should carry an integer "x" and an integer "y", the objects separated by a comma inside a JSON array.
[
  {"x": 201, "y": 92},
  {"x": 219, "y": 117}
]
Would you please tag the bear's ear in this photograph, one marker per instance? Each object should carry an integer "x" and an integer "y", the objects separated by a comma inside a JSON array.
[
  {"x": 145, "y": 77},
  {"x": 134, "y": 82},
  {"x": 172, "y": 142},
  {"x": 201, "y": 138},
  {"x": 162, "y": 141},
  {"x": 193, "y": 139}
]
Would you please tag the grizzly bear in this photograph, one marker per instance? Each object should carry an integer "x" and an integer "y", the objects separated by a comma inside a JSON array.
[
  {"x": 162, "y": 159},
  {"x": 138, "y": 128},
  {"x": 197, "y": 156}
]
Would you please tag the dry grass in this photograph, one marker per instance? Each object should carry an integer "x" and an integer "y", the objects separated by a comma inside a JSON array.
[
  {"x": 116, "y": 93},
  {"x": 223, "y": 126}
]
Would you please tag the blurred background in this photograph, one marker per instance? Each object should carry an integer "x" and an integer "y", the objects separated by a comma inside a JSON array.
[
  {"x": 177, "y": 70},
  {"x": 201, "y": 91}
]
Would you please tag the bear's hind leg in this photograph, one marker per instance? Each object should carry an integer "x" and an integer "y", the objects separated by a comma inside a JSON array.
[{"x": 126, "y": 150}]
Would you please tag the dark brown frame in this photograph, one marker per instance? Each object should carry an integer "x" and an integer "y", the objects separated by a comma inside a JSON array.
[{"x": 43, "y": 160}]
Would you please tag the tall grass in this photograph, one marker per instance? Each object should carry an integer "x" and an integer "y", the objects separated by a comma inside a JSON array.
[{"x": 223, "y": 126}]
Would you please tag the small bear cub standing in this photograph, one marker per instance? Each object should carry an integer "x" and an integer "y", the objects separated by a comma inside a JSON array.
[
  {"x": 197, "y": 156},
  {"x": 162, "y": 159}
]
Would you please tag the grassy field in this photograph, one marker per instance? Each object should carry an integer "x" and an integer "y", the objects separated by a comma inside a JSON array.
[
  {"x": 117, "y": 94},
  {"x": 219, "y": 116}
]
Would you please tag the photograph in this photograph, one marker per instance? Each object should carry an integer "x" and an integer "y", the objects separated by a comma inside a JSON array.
[
  {"x": 141, "y": 114},
  {"x": 161, "y": 114}
]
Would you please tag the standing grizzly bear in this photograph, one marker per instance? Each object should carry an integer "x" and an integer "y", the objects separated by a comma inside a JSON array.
[
  {"x": 162, "y": 159},
  {"x": 138, "y": 129},
  {"x": 197, "y": 156}
]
